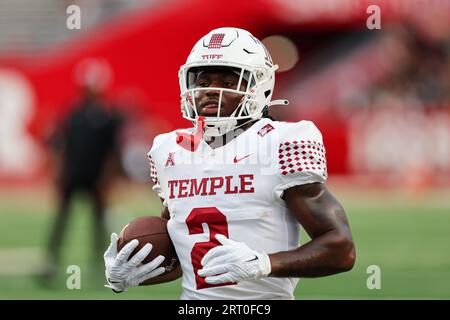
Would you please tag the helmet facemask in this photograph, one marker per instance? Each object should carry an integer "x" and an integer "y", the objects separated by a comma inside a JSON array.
[{"x": 254, "y": 84}]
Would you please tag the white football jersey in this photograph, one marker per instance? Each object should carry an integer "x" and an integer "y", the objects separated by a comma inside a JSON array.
[{"x": 236, "y": 190}]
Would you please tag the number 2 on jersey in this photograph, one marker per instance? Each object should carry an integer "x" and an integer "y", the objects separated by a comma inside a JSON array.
[{"x": 217, "y": 224}]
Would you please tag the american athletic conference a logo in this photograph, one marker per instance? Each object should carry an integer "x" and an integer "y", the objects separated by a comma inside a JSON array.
[{"x": 170, "y": 162}]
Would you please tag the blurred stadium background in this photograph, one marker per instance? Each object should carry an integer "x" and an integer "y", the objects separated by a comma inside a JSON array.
[{"x": 380, "y": 97}]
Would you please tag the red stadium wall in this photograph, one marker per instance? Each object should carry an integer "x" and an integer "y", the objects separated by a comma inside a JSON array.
[{"x": 145, "y": 50}]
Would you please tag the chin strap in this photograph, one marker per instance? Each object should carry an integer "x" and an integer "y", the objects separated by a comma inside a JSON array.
[{"x": 190, "y": 142}]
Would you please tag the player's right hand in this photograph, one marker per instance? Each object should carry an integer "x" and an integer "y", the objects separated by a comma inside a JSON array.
[{"x": 122, "y": 273}]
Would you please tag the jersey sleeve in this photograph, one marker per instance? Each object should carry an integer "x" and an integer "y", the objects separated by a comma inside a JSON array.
[
  {"x": 154, "y": 172},
  {"x": 301, "y": 157}
]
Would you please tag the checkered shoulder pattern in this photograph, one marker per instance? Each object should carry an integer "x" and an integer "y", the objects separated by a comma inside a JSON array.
[
  {"x": 153, "y": 172},
  {"x": 302, "y": 156}
]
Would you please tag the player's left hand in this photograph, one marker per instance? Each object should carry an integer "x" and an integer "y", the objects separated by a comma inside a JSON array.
[{"x": 233, "y": 262}]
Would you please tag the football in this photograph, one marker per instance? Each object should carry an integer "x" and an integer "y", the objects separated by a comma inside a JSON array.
[{"x": 153, "y": 230}]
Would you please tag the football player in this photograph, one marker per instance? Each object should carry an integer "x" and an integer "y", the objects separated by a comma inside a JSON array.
[{"x": 238, "y": 185}]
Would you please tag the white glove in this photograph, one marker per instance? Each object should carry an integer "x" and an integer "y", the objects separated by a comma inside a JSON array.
[
  {"x": 233, "y": 262},
  {"x": 121, "y": 273}
]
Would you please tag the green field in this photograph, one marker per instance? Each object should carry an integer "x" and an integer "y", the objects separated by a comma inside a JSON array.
[{"x": 408, "y": 238}]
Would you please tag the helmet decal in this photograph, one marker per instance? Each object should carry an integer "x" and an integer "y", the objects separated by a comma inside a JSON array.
[{"x": 216, "y": 41}]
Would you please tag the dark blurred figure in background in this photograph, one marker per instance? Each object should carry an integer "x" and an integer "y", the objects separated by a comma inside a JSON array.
[{"x": 86, "y": 151}]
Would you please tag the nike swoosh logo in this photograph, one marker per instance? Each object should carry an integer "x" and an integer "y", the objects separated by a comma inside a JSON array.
[{"x": 236, "y": 160}]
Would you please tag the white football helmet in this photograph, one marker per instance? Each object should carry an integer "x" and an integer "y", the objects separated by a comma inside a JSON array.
[{"x": 245, "y": 55}]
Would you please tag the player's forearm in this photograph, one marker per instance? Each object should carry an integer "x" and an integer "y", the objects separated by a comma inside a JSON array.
[{"x": 330, "y": 253}]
